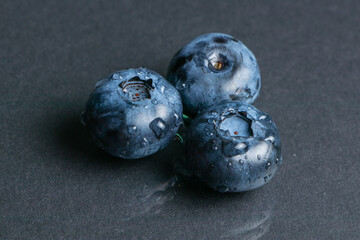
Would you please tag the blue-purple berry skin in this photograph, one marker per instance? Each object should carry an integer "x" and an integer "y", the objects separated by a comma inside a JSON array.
[
  {"x": 133, "y": 113},
  {"x": 213, "y": 68},
  {"x": 233, "y": 147}
]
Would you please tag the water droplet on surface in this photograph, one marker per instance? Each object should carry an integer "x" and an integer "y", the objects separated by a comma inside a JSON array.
[
  {"x": 144, "y": 142},
  {"x": 211, "y": 166},
  {"x": 213, "y": 113},
  {"x": 229, "y": 164},
  {"x": 183, "y": 85},
  {"x": 131, "y": 129},
  {"x": 210, "y": 134},
  {"x": 159, "y": 126},
  {"x": 154, "y": 101},
  {"x": 241, "y": 162},
  {"x": 147, "y": 77},
  {"x": 277, "y": 160},
  {"x": 258, "y": 157},
  {"x": 270, "y": 139},
  {"x": 262, "y": 117},
  {"x": 153, "y": 197}
]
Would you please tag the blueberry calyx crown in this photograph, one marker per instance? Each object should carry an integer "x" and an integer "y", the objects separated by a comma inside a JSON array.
[
  {"x": 235, "y": 123},
  {"x": 217, "y": 62},
  {"x": 137, "y": 89}
]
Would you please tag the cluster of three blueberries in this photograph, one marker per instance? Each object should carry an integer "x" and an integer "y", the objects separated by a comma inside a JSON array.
[{"x": 230, "y": 145}]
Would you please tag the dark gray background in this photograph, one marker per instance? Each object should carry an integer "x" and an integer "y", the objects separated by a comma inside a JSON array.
[{"x": 55, "y": 183}]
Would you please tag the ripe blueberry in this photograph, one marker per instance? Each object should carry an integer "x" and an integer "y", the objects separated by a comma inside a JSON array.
[
  {"x": 233, "y": 147},
  {"x": 212, "y": 68},
  {"x": 133, "y": 113}
]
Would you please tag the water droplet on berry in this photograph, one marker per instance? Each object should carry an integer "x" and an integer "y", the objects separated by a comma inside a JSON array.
[
  {"x": 154, "y": 101},
  {"x": 131, "y": 129},
  {"x": 240, "y": 146},
  {"x": 144, "y": 142},
  {"x": 162, "y": 89},
  {"x": 270, "y": 139},
  {"x": 152, "y": 150},
  {"x": 262, "y": 117},
  {"x": 177, "y": 122},
  {"x": 277, "y": 160},
  {"x": 158, "y": 125},
  {"x": 116, "y": 76},
  {"x": 268, "y": 164}
]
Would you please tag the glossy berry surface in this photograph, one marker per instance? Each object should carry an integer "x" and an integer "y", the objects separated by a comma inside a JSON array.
[
  {"x": 233, "y": 147},
  {"x": 133, "y": 113},
  {"x": 212, "y": 68}
]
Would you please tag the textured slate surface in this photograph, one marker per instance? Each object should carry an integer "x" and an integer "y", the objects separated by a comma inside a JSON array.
[{"x": 55, "y": 184}]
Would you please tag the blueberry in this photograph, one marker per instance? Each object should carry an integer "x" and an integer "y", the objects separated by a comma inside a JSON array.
[
  {"x": 133, "y": 113},
  {"x": 233, "y": 147},
  {"x": 212, "y": 68}
]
